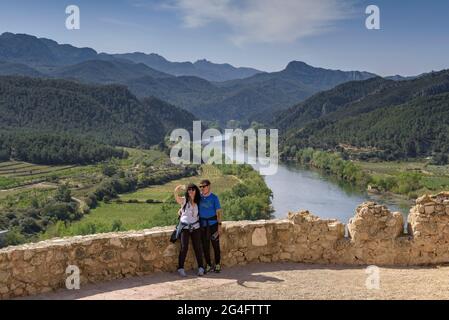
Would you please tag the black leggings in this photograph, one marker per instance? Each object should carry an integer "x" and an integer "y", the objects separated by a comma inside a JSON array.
[
  {"x": 206, "y": 237},
  {"x": 196, "y": 240}
]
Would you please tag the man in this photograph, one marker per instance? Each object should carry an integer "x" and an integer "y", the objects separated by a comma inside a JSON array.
[{"x": 210, "y": 218}]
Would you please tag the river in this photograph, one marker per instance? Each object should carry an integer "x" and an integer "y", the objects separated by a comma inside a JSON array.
[{"x": 298, "y": 188}]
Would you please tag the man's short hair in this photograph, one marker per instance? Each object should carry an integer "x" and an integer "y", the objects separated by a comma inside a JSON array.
[{"x": 205, "y": 182}]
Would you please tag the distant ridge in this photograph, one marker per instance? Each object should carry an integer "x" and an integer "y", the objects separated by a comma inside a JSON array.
[
  {"x": 201, "y": 68},
  {"x": 253, "y": 96}
]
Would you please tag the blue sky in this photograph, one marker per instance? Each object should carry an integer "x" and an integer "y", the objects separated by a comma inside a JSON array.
[{"x": 265, "y": 34}]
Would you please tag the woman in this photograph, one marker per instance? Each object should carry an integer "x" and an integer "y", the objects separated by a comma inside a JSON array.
[{"x": 189, "y": 226}]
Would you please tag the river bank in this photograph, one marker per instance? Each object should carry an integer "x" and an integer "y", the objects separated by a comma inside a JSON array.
[
  {"x": 298, "y": 187},
  {"x": 405, "y": 178}
]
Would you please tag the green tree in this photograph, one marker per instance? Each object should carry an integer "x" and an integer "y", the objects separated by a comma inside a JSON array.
[{"x": 63, "y": 194}]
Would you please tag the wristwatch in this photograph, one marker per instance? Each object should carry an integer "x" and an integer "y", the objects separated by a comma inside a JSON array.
[{"x": 219, "y": 223}]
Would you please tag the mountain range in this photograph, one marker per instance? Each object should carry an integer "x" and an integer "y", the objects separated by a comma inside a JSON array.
[
  {"x": 391, "y": 119},
  {"x": 255, "y": 98},
  {"x": 201, "y": 68},
  {"x": 45, "y": 54},
  {"x": 130, "y": 99}
]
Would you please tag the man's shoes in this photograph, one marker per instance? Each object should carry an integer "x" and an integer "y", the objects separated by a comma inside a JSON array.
[
  {"x": 217, "y": 268},
  {"x": 182, "y": 273},
  {"x": 200, "y": 272},
  {"x": 208, "y": 269}
]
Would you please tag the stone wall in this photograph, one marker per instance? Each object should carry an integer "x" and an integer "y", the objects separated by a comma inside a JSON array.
[{"x": 375, "y": 237}]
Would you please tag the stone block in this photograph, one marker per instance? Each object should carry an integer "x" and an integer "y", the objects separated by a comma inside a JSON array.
[{"x": 259, "y": 237}]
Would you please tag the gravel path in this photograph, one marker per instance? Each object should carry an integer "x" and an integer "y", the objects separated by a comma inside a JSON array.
[{"x": 274, "y": 281}]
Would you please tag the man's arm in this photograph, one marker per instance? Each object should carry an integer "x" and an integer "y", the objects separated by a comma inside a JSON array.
[
  {"x": 218, "y": 209},
  {"x": 219, "y": 214}
]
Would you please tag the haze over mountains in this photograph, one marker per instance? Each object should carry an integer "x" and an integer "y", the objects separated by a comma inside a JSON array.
[
  {"x": 255, "y": 98},
  {"x": 201, "y": 68},
  {"x": 45, "y": 54}
]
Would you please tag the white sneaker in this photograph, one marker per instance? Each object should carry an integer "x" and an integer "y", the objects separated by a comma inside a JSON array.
[
  {"x": 182, "y": 273},
  {"x": 201, "y": 272}
]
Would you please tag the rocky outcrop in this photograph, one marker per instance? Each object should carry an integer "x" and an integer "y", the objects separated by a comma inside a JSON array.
[
  {"x": 375, "y": 222},
  {"x": 376, "y": 236}
]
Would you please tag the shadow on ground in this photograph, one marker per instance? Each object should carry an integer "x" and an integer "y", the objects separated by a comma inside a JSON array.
[{"x": 248, "y": 277}]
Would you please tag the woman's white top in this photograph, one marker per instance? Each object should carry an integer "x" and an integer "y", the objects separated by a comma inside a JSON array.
[{"x": 190, "y": 216}]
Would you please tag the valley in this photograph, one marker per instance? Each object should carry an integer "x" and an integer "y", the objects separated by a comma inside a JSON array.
[
  {"x": 117, "y": 195},
  {"x": 84, "y": 138}
]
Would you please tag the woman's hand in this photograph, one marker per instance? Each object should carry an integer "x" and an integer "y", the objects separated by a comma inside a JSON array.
[
  {"x": 179, "y": 200},
  {"x": 179, "y": 187}
]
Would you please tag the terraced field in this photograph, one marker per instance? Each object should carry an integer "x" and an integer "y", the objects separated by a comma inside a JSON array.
[
  {"x": 15, "y": 174},
  {"x": 23, "y": 169}
]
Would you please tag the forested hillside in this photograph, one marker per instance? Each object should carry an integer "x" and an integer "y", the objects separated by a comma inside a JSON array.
[
  {"x": 50, "y": 148},
  {"x": 56, "y": 111},
  {"x": 384, "y": 119}
]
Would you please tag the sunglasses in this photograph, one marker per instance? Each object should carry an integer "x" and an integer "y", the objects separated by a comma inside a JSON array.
[
  {"x": 205, "y": 186},
  {"x": 191, "y": 189}
]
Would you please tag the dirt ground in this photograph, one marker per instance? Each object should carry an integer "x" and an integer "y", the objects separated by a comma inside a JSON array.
[{"x": 276, "y": 281}]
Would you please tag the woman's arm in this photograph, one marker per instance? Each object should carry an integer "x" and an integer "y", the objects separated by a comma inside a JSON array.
[{"x": 180, "y": 200}]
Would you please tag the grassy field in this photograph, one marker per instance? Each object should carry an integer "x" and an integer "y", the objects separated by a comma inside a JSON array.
[
  {"x": 131, "y": 216},
  {"x": 433, "y": 178},
  {"x": 164, "y": 192}
]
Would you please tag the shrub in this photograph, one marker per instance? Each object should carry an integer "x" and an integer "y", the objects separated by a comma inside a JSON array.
[
  {"x": 59, "y": 211},
  {"x": 14, "y": 238},
  {"x": 109, "y": 170},
  {"x": 63, "y": 194},
  {"x": 29, "y": 226},
  {"x": 117, "y": 225}
]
